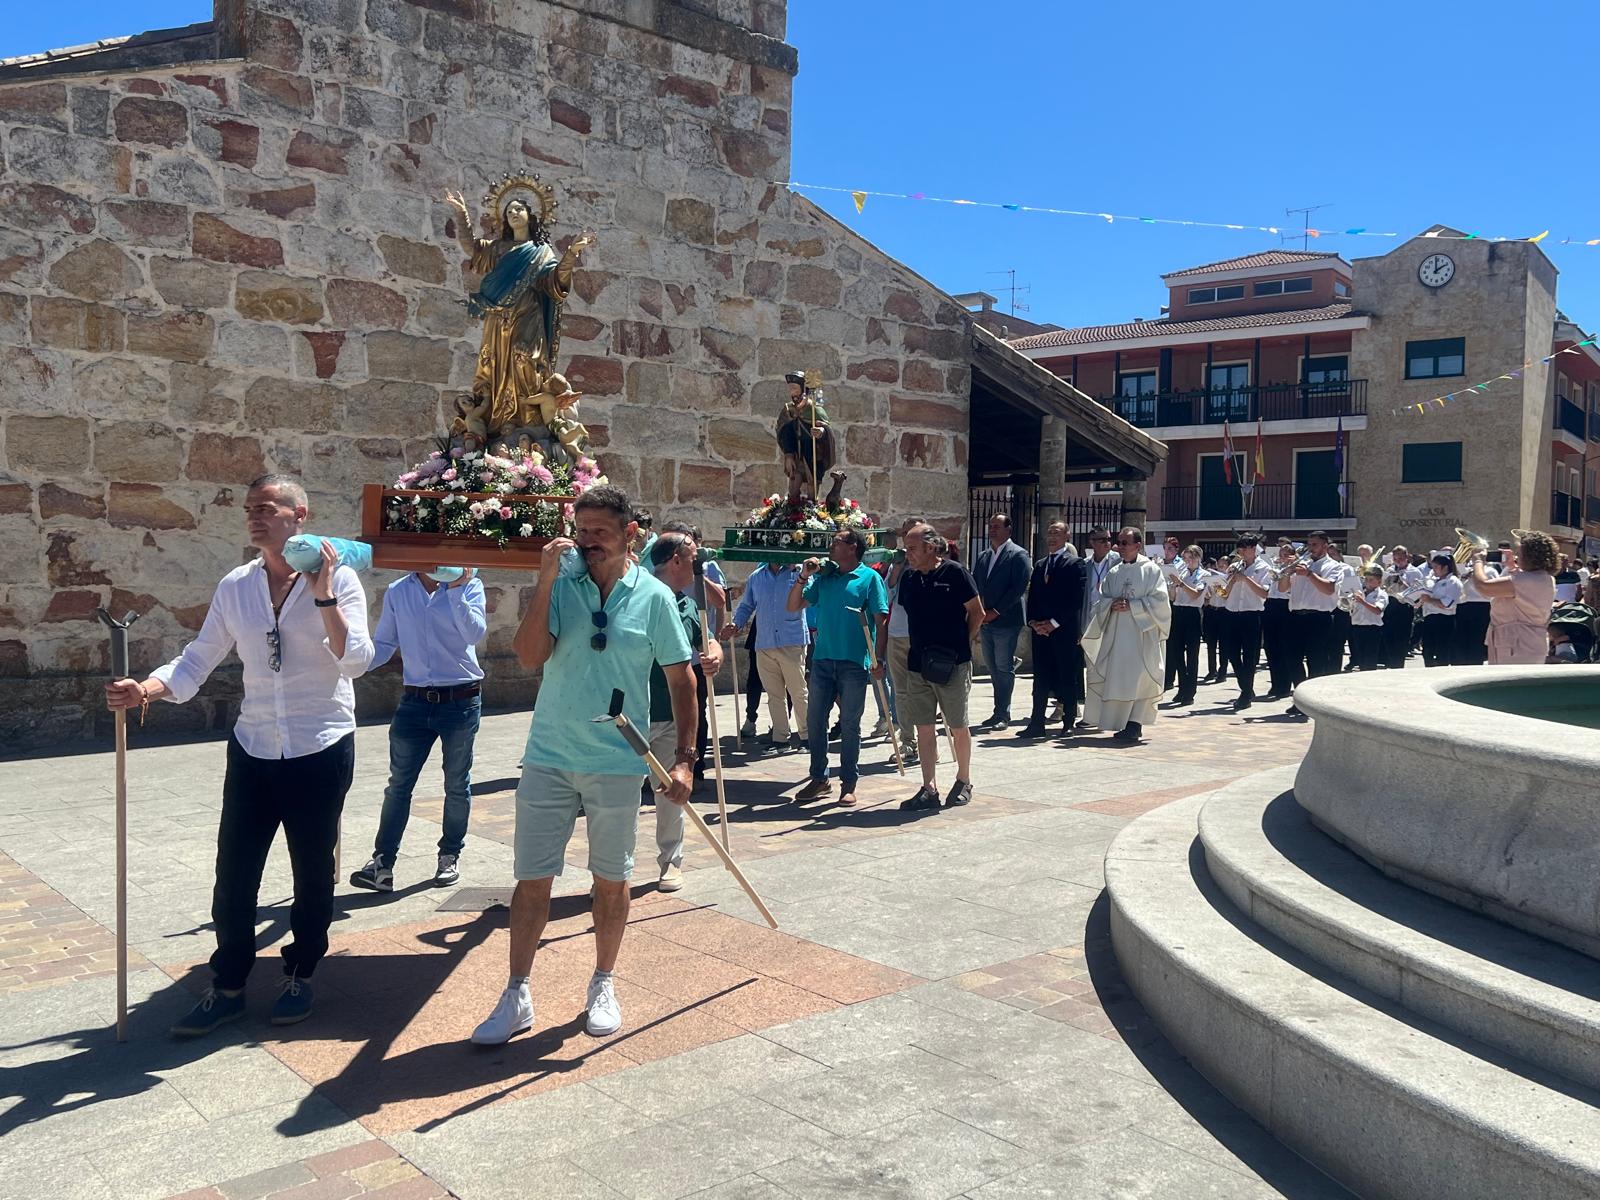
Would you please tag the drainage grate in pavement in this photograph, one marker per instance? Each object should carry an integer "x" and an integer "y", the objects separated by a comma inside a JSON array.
[{"x": 478, "y": 899}]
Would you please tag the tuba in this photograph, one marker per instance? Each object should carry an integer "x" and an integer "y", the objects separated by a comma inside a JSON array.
[{"x": 1469, "y": 543}]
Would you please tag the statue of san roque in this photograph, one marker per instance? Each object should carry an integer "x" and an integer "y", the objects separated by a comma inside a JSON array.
[{"x": 517, "y": 395}]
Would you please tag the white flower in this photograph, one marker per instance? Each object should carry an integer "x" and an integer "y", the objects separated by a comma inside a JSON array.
[{"x": 526, "y": 530}]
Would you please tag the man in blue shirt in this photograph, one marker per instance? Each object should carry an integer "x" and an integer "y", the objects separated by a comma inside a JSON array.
[
  {"x": 435, "y": 627},
  {"x": 593, "y": 633},
  {"x": 838, "y": 596},
  {"x": 781, "y": 638}
]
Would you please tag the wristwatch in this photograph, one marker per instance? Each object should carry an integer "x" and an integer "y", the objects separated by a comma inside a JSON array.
[
  {"x": 688, "y": 755},
  {"x": 328, "y": 603}
]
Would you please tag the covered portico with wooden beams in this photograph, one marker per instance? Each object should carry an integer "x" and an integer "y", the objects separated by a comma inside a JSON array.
[{"x": 1030, "y": 427}]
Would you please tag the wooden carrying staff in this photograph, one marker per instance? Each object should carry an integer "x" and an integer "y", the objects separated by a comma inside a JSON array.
[
  {"x": 640, "y": 746},
  {"x": 711, "y": 710},
  {"x": 121, "y": 670},
  {"x": 883, "y": 696}
]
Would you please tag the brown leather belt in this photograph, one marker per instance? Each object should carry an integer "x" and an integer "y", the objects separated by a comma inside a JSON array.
[{"x": 439, "y": 695}]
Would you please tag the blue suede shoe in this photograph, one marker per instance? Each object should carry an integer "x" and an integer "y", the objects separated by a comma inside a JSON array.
[
  {"x": 214, "y": 1009},
  {"x": 294, "y": 1002}
]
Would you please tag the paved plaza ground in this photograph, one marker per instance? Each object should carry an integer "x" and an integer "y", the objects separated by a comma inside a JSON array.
[{"x": 940, "y": 1014}]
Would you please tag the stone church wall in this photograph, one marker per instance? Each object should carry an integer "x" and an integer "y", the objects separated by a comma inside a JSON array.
[{"x": 220, "y": 268}]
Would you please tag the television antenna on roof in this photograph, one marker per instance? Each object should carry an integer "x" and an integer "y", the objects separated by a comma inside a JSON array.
[
  {"x": 1015, "y": 290},
  {"x": 1305, "y": 224}
]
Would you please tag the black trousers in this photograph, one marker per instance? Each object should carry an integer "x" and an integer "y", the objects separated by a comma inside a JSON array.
[
  {"x": 702, "y": 739},
  {"x": 1438, "y": 639},
  {"x": 1211, "y": 633},
  {"x": 304, "y": 795},
  {"x": 1472, "y": 627},
  {"x": 1341, "y": 637},
  {"x": 1241, "y": 636},
  {"x": 1311, "y": 645},
  {"x": 752, "y": 679},
  {"x": 1183, "y": 650},
  {"x": 1275, "y": 637},
  {"x": 1366, "y": 646},
  {"x": 1057, "y": 672},
  {"x": 1396, "y": 639}
]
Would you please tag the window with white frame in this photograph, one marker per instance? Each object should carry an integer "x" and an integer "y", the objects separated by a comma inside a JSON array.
[
  {"x": 1282, "y": 287},
  {"x": 1214, "y": 295}
]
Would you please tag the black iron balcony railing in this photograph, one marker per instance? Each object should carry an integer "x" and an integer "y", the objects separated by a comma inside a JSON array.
[
  {"x": 1566, "y": 511},
  {"x": 1267, "y": 502},
  {"x": 1571, "y": 418},
  {"x": 1266, "y": 402}
]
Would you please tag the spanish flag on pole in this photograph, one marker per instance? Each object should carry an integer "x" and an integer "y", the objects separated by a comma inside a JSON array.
[{"x": 1227, "y": 454}]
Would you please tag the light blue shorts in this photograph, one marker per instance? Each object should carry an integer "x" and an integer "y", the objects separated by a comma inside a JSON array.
[{"x": 548, "y": 802}]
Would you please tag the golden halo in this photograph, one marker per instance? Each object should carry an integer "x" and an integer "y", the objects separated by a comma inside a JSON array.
[{"x": 526, "y": 187}]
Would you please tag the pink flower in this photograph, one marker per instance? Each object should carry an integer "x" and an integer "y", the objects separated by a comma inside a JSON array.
[
  {"x": 542, "y": 474},
  {"x": 456, "y": 452},
  {"x": 448, "y": 475},
  {"x": 505, "y": 513},
  {"x": 436, "y": 453},
  {"x": 486, "y": 476}
]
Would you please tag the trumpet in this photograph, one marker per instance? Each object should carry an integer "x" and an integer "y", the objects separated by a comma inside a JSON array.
[{"x": 1304, "y": 555}]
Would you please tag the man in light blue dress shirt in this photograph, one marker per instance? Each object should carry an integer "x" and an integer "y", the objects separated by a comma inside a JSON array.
[
  {"x": 436, "y": 628},
  {"x": 781, "y": 639}
]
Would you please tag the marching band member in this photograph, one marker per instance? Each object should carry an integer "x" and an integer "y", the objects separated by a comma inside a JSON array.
[
  {"x": 1367, "y": 607},
  {"x": 1312, "y": 585},
  {"x": 1438, "y": 608},
  {"x": 1470, "y": 648},
  {"x": 1187, "y": 588},
  {"x": 1244, "y": 596},
  {"x": 1275, "y": 627},
  {"x": 1397, "y": 618},
  {"x": 1211, "y": 624},
  {"x": 1349, "y": 584}
]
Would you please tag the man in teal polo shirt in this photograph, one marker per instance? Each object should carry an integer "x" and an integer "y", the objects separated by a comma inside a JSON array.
[
  {"x": 838, "y": 594},
  {"x": 592, "y": 633}
]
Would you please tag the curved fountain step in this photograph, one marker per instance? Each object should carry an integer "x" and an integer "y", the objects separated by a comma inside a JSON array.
[
  {"x": 1512, "y": 990},
  {"x": 1387, "y": 1106}
]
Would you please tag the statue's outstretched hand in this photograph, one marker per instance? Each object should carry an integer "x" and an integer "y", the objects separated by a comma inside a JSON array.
[
  {"x": 458, "y": 202},
  {"x": 581, "y": 243}
]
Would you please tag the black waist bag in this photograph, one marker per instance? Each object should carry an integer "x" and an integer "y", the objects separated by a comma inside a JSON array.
[{"x": 938, "y": 665}]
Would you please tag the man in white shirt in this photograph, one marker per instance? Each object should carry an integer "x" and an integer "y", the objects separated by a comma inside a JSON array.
[
  {"x": 1398, "y": 617},
  {"x": 1313, "y": 595},
  {"x": 1244, "y": 599},
  {"x": 436, "y": 627},
  {"x": 301, "y": 640}
]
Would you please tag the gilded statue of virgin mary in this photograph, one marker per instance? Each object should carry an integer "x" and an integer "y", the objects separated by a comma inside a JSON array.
[{"x": 523, "y": 287}]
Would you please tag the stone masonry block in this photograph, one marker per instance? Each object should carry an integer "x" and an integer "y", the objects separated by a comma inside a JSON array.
[
  {"x": 145, "y": 506},
  {"x": 289, "y": 404},
  {"x": 215, "y": 239},
  {"x": 47, "y": 445},
  {"x": 223, "y": 458},
  {"x": 363, "y": 305},
  {"x": 393, "y": 355},
  {"x": 97, "y": 270},
  {"x": 272, "y": 296},
  {"x": 191, "y": 283},
  {"x": 147, "y": 223},
  {"x": 177, "y": 337},
  {"x": 75, "y": 325},
  {"x": 157, "y": 122},
  {"x": 137, "y": 451}
]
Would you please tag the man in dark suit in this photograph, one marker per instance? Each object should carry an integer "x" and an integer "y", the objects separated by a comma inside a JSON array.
[
  {"x": 1002, "y": 576},
  {"x": 1057, "y": 597}
]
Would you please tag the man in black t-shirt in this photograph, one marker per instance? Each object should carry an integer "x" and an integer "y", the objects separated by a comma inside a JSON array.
[{"x": 943, "y": 613}]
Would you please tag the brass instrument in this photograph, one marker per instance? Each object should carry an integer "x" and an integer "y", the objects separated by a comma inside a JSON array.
[
  {"x": 1469, "y": 543},
  {"x": 1303, "y": 555}
]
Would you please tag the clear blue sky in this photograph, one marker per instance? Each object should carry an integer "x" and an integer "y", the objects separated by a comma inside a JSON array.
[{"x": 1396, "y": 115}]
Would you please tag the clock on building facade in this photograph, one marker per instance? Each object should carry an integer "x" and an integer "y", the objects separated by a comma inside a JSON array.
[{"x": 1436, "y": 270}]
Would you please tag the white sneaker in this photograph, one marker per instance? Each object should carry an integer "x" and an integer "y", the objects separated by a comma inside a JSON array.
[
  {"x": 671, "y": 878},
  {"x": 605, "y": 1017},
  {"x": 511, "y": 1016}
]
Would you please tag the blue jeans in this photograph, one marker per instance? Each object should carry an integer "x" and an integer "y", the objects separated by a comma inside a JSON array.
[
  {"x": 833, "y": 679},
  {"x": 999, "y": 649},
  {"x": 416, "y": 725}
]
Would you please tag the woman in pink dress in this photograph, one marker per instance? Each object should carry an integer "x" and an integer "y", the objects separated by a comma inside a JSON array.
[{"x": 1520, "y": 601}]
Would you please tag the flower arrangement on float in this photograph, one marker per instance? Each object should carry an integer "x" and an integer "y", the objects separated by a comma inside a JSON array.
[
  {"x": 803, "y": 524},
  {"x": 475, "y": 494}
]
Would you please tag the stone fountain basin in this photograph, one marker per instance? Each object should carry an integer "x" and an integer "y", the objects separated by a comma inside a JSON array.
[{"x": 1478, "y": 784}]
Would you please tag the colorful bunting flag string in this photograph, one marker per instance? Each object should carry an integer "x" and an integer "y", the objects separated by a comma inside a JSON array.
[
  {"x": 1477, "y": 389},
  {"x": 861, "y": 195}
]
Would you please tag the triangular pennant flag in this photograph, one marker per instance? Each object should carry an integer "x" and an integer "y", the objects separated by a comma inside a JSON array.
[
  {"x": 1541, "y": 237},
  {"x": 860, "y": 198},
  {"x": 1012, "y": 207}
]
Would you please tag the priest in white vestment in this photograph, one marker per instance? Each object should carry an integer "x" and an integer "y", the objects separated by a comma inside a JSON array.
[{"x": 1125, "y": 641}]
